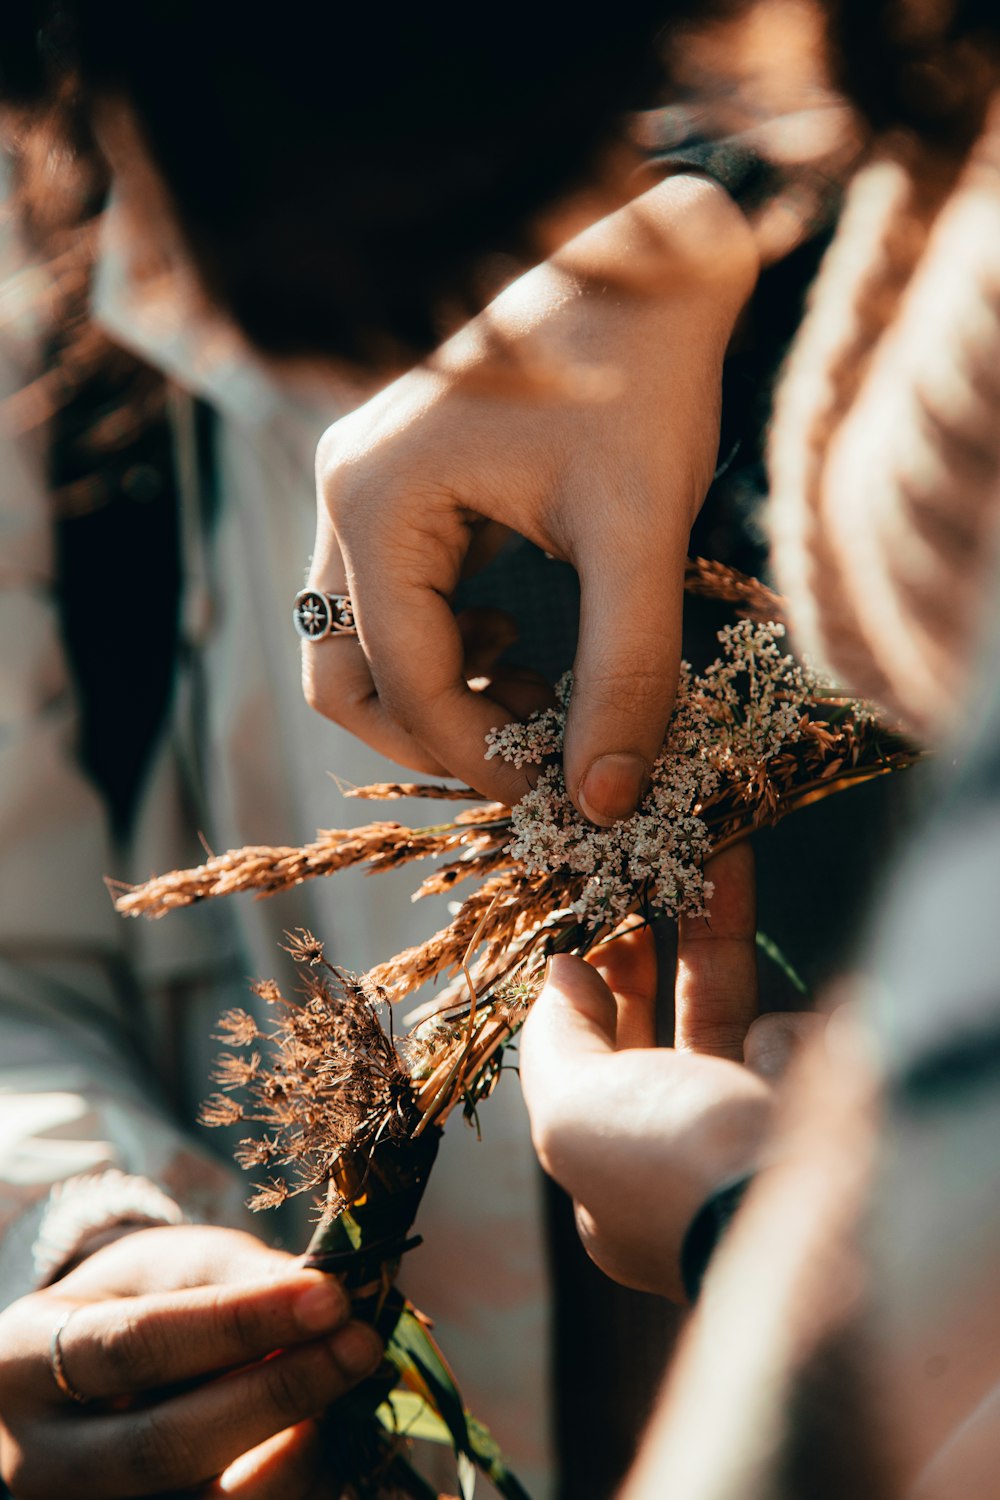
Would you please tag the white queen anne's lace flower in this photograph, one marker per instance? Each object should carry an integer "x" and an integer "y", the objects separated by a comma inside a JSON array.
[{"x": 727, "y": 723}]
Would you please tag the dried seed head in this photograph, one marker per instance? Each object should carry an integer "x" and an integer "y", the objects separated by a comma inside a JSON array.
[
  {"x": 252, "y": 1152},
  {"x": 303, "y": 947},
  {"x": 272, "y": 1195},
  {"x": 332, "y": 1082},
  {"x": 220, "y": 1110},
  {"x": 234, "y": 1072},
  {"x": 237, "y": 1028}
]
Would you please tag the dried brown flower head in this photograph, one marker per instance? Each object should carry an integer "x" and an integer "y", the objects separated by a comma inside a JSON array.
[{"x": 331, "y": 1083}]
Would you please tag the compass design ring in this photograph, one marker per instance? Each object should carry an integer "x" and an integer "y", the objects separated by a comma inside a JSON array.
[{"x": 316, "y": 615}]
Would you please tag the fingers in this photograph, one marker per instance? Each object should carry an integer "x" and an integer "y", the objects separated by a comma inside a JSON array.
[
  {"x": 416, "y": 650},
  {"x": 626, "y": 670},
  {"x": 121, "y": 1341},
  {"x": 182, "y": 1442},
  {"x": 571, "y": 1026},
  {"x": 716, "y": 996},
  {"x": 627, "y": 965},
  {"x": 337, "y": 683},
  {"x": 174, "y": 1257},
  {"x": 575, "y": 1014},
  {"x": 639, "y": 1137},
  {"x": 774, "y": 1040},
  {"x": 150, "y": 1342},
  {"x": 586, "y": 1011},
  {"x": 289, "y": 1466},
  {"x": 402, "y": 686},
  {"x": 337, "y": 679}
]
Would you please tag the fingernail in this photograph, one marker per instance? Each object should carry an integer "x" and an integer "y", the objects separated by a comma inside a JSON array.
[
  {"x": 561, "y": 966},
  {"x": 357, "y": 1349},
  {"x": 612, "y": 787},
  {"x": 321, "y": 1307}
]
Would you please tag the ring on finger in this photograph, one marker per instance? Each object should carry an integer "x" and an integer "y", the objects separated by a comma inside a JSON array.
[
  {"x": 57, "y": 1361},
  {"x": 316, "y": 615}
]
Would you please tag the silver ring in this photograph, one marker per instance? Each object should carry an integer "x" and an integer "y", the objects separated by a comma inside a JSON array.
[
  {"x": 316, "y": 615},
  {"x": 57, "y": 1363}
]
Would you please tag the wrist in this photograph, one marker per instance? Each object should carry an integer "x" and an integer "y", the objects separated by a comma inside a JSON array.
[
  {"x": 684, "y": 234},
  {"x": 718, "y": 1148},
  {"x": 706, "y": 1231}
]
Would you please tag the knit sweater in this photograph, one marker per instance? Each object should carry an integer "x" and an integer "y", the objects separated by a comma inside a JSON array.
[{"x": 885, "y": 454}]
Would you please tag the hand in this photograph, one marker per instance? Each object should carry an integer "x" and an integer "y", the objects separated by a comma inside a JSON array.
[
  {"x": 172, "y": 1340},
  {"x": 581, "y": 410},
  {"x": 642, "y": 1136}
]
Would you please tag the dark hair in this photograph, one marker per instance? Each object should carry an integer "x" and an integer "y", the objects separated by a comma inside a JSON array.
[
  {"x": 925, "y": 69},
  {"x": 342, "y": 174}
]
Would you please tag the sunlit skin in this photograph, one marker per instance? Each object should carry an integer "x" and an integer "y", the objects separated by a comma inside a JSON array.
[
  {"x": 581, "y": 411},
  {"x": 158, "y": 1316},
  {"x": 641, "y": 1136}
]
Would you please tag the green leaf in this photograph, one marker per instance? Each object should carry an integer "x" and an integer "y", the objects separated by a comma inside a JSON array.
[
  {"x": 408, "y": 1415},
  {"x": 411, "y": 1345},
  {"x": 769, "y": 947},
  {"x": 351, "y": 1228},
  {"x": 419, "y": 1360}
]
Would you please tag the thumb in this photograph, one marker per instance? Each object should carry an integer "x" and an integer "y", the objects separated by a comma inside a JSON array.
[
  {"x": 574, "y": 1017},
  {"x": 571, "y": 1024},
  {"x": 625, "y": 674}
]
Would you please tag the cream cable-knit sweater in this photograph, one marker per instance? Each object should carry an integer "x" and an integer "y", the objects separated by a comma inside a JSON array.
[{"x": 885, "y": 455}]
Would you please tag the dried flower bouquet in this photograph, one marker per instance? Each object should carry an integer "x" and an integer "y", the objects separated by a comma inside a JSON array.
[{"x": 345, "y": 1106}]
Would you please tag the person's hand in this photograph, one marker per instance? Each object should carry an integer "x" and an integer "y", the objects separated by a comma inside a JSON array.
[
  {"x": 203, "y": 1357},
  {"x": 642, "y": 1136},
  {"x": 581, "y": 410}
]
